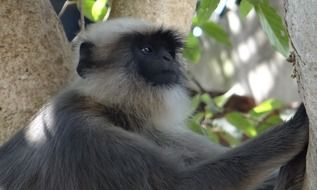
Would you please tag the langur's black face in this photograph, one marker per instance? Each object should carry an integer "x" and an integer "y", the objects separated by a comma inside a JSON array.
[
  {"x": 155, "y": 56},
  {"x": 152, "y": 55}
]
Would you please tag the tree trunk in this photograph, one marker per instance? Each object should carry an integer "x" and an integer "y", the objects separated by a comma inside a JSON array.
[
  {"x": 174, "y": 13},
  {"x": 301, "y": 19},
  {"x": 34, "y": 60}
]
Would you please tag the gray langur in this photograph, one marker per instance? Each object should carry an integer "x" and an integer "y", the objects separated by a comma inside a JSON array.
[{"x": 120, "y": 125}]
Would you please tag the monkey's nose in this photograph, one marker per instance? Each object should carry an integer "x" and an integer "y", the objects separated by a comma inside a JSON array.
[{"x": 166, "y": 56}]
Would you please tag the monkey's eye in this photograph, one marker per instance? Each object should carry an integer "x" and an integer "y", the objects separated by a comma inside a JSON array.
[{"x": 146, "y": 50}]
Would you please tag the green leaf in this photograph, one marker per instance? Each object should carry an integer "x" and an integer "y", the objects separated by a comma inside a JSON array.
[
  {"x": 254, "y": 2},
  {"x": 206, "y": 8},
  {"x": 195, "y": 102},
  {"x": 192, "y": 50},
  {"x": 195, "y": 21},
  {"x": 208, "y": 113},
  {"x": 266, "y": 107},
  {"x": 273, "y": 26},
  {"x": 242, "y": 123},
  {"x": 221, "y": 100},
  {"x": 212, "y": 135},
  {"x": 206, "y": 98},
  {"x": 245, "y": 8},
  {"x": 194, "y": 123},
  {"x": 198, "y": 117},
  {"x": 195, "y": 127},
  {"x": 216, "y": 32},
  {"x": 95, "y": 10},
  {"x": 87, "y": 6},
  {"x": 268, "y": 123}
]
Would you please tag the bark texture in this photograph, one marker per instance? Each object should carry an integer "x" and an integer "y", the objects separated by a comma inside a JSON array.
[
  {"x": 301, "y": 19},
  {"x": 34, "y": 60},
  {"x": 173, "y": 13}
]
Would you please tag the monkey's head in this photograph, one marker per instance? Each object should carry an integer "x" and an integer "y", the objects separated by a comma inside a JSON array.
[{"x": 132, "y": 64}]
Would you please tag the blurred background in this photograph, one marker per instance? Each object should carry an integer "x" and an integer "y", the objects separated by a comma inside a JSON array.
[{"x": 240, "y": 80}]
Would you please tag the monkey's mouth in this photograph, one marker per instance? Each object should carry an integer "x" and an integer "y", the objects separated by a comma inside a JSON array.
[{"x": 165, "y": 77}]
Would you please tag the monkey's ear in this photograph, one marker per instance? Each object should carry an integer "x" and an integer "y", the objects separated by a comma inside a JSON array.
[{"x": 85, "y": 55}]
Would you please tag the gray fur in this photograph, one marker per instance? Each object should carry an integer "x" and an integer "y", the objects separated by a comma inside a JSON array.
[
  {"x": 291, "y": 175},
  {"x": 113, "y": 131}
]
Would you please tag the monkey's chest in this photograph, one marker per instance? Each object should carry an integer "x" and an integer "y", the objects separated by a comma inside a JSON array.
[
  {"x": 179, "y": 149},
  {"x": 184, "y": 155}
]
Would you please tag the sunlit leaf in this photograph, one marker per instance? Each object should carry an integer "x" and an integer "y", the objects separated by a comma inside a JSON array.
[
  {"x": 206, "y": 8},
  {"x": 272, "y": 25},
  {"x": 254, "y": 2},
  {"x": 87, "y": 7},
  {"x": 206, "y": 98},
  {"x": 216, "y": 32},
  {"x": 221, "y": 100},
  {"x": 192, "y": 50},
  {"x": 241, "y": 122},
  {"x": 245, "y": 8},
  {"x": 95, "y": 10},
  {"x": 208, "y": 114},
  {"x": 266, "y": 107}
]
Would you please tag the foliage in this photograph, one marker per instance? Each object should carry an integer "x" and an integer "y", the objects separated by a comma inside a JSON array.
[
  {"x": 245, "y": 8},
  {"x": 270, "y": 21},
  {"x": 273, "y": 26},
  {"x": 202, "y": 21},
  {"x": 192, "y": 50},
  {"x": 215, "y": 31},
  {"x": 205, "y": 10},
  {"x": 94, "y": 10},
  {"x": 211, "y": 116},
  {"x": 246, "y": 125}
]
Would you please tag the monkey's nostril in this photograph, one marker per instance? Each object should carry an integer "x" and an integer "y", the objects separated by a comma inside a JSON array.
[{"x": 166, "y": 58}]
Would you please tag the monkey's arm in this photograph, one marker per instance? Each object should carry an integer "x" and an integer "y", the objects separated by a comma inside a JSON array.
[
  {"x": 291, "y": 175},
  {"x": 128, "y": 161}
]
